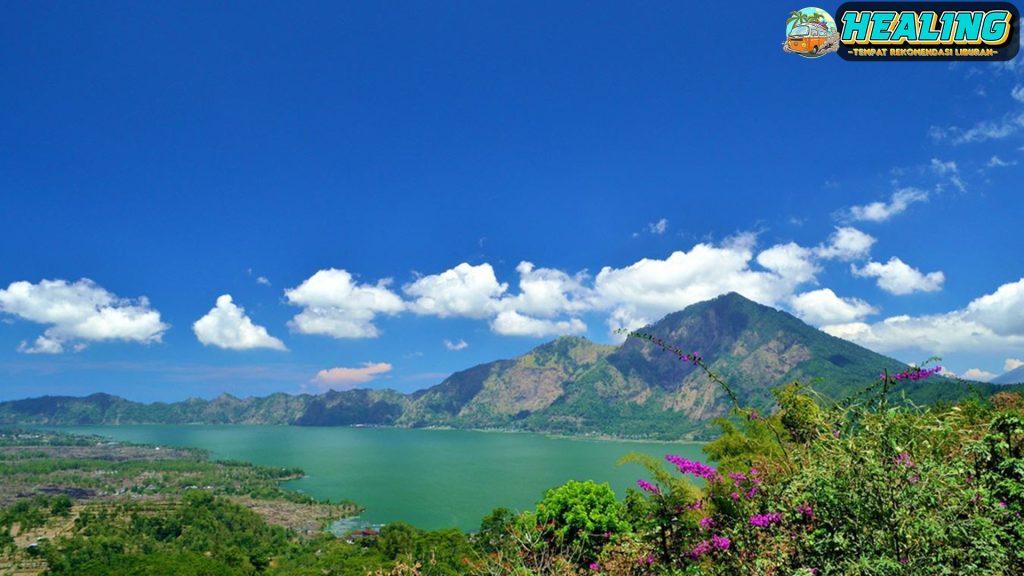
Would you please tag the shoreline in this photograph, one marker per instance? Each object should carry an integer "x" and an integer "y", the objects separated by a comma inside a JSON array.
[{"x": 555, "y": 435}]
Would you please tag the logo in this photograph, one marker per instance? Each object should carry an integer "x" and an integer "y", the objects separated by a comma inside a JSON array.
[
  {"x": 907, "y": 31},
  {"x": 811, "y": 33}
]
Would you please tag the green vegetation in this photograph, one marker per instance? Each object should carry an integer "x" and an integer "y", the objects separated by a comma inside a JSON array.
[
  {"x": 862, "y": 487},
  {"x": 92, "y": 467},
  {"x": 568, "y": 386},
  {"x": 868, "y": 482}
]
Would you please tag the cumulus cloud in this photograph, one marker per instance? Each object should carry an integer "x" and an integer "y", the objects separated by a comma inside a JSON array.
[
  {"x": 342, "y": 378},
  {"x": 512, "y": 323},
  {"x": 1012, "y": 364},
  {"x": 882, "y": 211},
  {"x": 1002, "y": 310},
  {"x": 263, "y": 280},
  {"x": 823, "y": 306},
  {"x": 993, "y": 322},
  {"x": 227, "y": 326},
  {"x": 464, "y": 291},
  {"x": 547, "y": 292},
  {"x": 334, "y": 304},
  {"x": 789, "y": 261},
  {"x": 650, "y": 288},
  {"x": 78, "y": 313},
  {"x": 978, "y": 374},
  {"x": 1018, "y": 93},
  {"x": 455, "y": 346},
  {"x": 846, "y": 244},
  {"x": 896, "y": 277}
]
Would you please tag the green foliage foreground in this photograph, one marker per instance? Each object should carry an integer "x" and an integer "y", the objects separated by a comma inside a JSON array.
[{"x": 863, "y": 487}]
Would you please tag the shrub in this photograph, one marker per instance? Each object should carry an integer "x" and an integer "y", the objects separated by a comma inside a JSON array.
[{"x": 581, "y": 515}]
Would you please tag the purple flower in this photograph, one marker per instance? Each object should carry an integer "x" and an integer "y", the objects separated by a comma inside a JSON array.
[
  {"x": 648, "y": 487},
  {"x": 702, "y": 548},
  {"x": 754, "y": 416},
  {"x": 705, "y": 546},
  {"x": 764, "y": 520},
  {"x": 806, "y": 510},
  {"x": 735, "y": 496},
  {"x": 737, "y": 478},
  {"x": 595, "y": 566},
  {"x": 913, "y": 373},
  {"x": 706, "y": 522},
  {"x": 751, "y": 493},
  {"x": 1001, "y": 503},
  {"x": 691, "y": 467},
  {"x": 903, "y": 459}
]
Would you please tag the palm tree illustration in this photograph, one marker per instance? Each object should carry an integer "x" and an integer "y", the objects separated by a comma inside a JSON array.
[{"x": 796, "y": 19}]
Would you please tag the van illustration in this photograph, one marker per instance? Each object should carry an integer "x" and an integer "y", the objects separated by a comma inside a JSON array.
[
  {"x": 808, "y": 38},
  {"x": 811, "y": 33}
]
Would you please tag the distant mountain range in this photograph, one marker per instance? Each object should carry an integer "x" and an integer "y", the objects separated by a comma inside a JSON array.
[
  {"x": 570, "y": 385},
  {"x": 1015, "y": 376}
]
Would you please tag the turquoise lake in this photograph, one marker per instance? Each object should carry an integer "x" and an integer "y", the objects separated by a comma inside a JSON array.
[{"x": 429, "y": 478}]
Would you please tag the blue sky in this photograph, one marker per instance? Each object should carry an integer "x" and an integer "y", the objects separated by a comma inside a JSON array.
[{"x": 388, "y": 192}]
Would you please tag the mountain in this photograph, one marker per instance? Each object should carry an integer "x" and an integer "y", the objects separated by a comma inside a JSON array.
[
  {"x": 1015, "y": 376},
  {"x": 570, "y": 385}
]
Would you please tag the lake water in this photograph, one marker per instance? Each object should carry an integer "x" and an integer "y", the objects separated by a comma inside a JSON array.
[{"x": 429, "y": 478}]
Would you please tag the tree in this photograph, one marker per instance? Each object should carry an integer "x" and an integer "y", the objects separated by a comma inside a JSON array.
[{"x": 582, "y": 515}]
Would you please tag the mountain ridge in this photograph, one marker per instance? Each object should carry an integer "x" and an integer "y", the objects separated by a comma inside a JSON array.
[
  {"x": 1015, "y": 376},
  {"x": 570, "y": 385}
]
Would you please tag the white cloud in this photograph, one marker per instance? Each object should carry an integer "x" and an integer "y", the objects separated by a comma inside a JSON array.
[
  {"x": 546, "y": 292},
  {"x": 1018, "y": 93},
  {"x": 982, "y": 131},
  {"x": 650, "y": 288},
  {"x": 896, "y": 277},
  {"x": 789, "y": 261},
  {"x": 512, "y": 323},
  {"x": 263, "y": 280},
  {"x": 463, "y": 291},
  {"x": 658, "y": 227},
  {"x": 942, "y": 168},
  {"x": 1002, "y": 310},
  {"x": 455, "y": 346},
  {"x": 79, "y": 312},
  {"x": 993, "y": 322},
  {"x": 822, "y": 306},
  {"x": 348, "y": 378},
  {"x": 335, "y": 305},
  {"x": 949, "y": 168},
  {"x": 846, "y": 244},
  {"x": 42, "y": 345},
  {"x": 881, "y": 211},
  {"x": 978, "y": 374},
  {"x": 227, "y": 326},
  {"x": 1012, "y": 364},
  {"x": 997, "y": 162}
]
